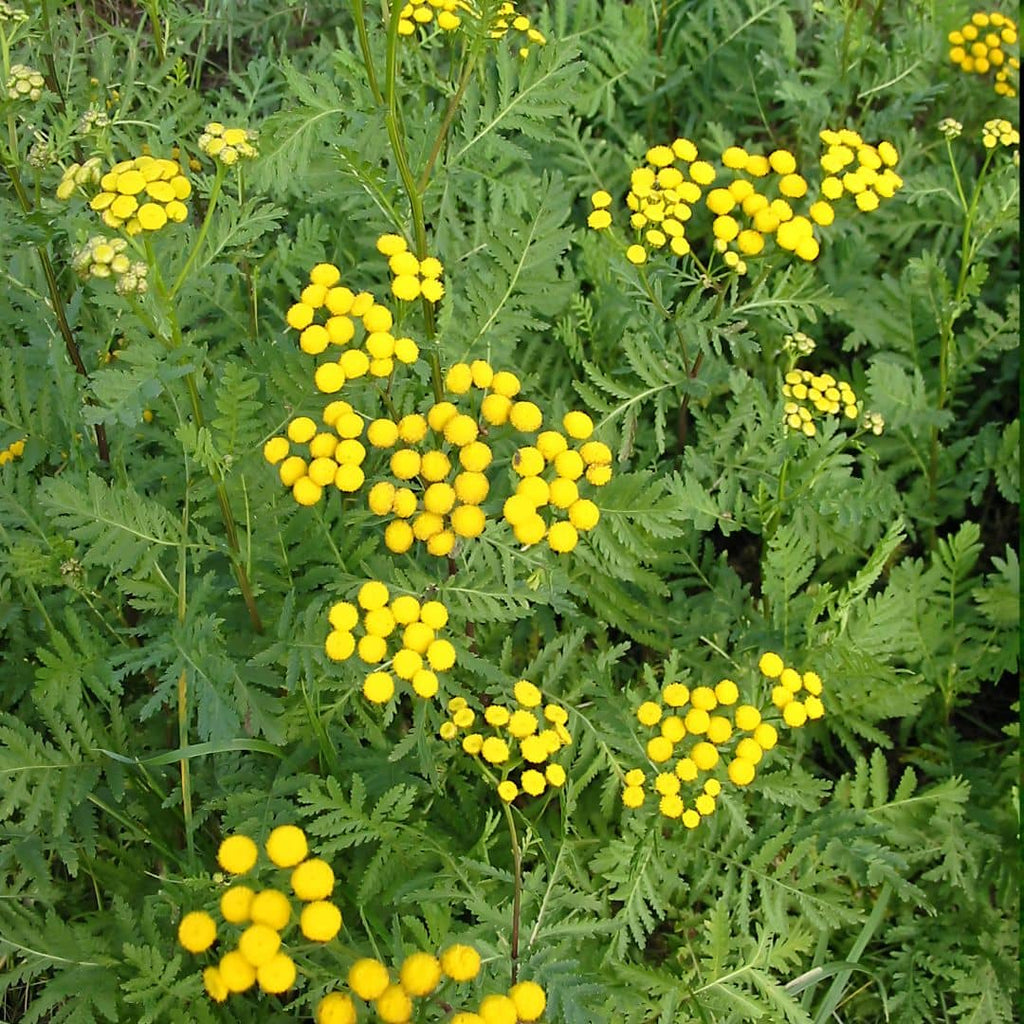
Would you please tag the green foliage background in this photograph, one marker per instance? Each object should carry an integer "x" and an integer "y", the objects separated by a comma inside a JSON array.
[{"x": 869, "y": 873}]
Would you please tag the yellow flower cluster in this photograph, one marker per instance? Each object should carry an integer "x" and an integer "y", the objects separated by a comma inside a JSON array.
[
  {"x": 261, "y": 917},
  {"x": 420, "y": 975},
  {"x": 105, "y": 257},
  {"x": 423, "y": 12},
  {"x": 336, "y": 454},
  {"x": 795, "y": 712},
  {"x": 421, "y": 654},
  {"x": 755, "y": 203},
  {"x": 514, "y": 736},
  {"x": 412, "y": 277},
  {"x": 509, "y": 19},
  {"x": 13, "y": 451},
  {"x": 870, "y": 181},
  {"x": 342, "y": 309},
  {"x": 78, "y": 176},
  {"x": 449, "y": 14},
  {"x": 228, "y": 145},
  {"x": 999, "y": 132},
  {"x": 979, "y": 47},
  {"x": 712, "y": 722},
  {"x": 436, "y": 486},
  {"x": 24, "y": 83},
  {"x": 452, "y": 467},
  {"x": 138, "y": 195},
  {"x": 811, "y": 393}
]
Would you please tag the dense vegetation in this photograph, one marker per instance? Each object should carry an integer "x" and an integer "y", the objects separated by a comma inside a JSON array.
[{"x": 509, "y": 512}]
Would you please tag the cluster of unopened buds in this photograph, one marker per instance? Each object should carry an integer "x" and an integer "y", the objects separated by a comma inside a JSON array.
[
  {"x": 798, "y": 342},
  {"x": 418, "y": 659},
  {"x": 979, "y": 47},
  {"x": 874, "y": 422},
  {"x": 138, "y": 195},
  {"x": 13, "y": 14},
  {"x": 24, "y": 83},
  {"x": 79, "y": 176},
  {"x": 809, "y": 394},
  {"x": 412, "y": 277},
  {"x": 259, "y": 919},
  {"x": 420, "y": 976},
  {"x": 228, "y": 145},
  {"x": 13, "y": 451},
  {"x": 93, "y": 119},
  {"x": 715, "y": 732},
  {"x": 950, "y": 128},
  {"x": 522, "y": 738},
  {"x": 104, "y": 257},
  {"x": 755, "y": 203}
]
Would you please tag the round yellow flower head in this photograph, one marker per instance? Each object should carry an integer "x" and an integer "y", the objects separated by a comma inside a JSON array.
[
  {"x": 197, "y": 931},
  {"x": 368, "y": 978},
  {"x": 320, "y": 921},
  {"x": 460, "y": 963},
  {"x": 277, "y": 975},
  {"x": 287, "y": 846},
  {"x": 335, "y": 1008},
  {"x": 237, "y": 854},
  {"x": 313, "y": 880},
  {"x": 259, "y": 944},
  {"x": 420, "y": 974}
]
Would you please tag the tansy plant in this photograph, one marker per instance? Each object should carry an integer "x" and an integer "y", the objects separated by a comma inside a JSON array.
[
  {"x": 722, "y": 740},
  {"x": 507, "y": 513}
]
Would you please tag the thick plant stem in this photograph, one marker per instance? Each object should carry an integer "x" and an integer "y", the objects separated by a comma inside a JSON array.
[
  {"x": 517, "y": 892},
  {"x": 57, "y": 303}
]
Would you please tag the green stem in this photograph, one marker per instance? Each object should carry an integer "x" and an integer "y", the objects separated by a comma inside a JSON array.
[
  {"x": 57, "y": 305},
  {"x": 446, "y": 121},
  {"x": 517, "y": 892},
  {"x": 968, "y": 250},
  {"x": 218, "y": 181},
  {"x": 359, "y": 17},
  {"x": 51, "y": 68}
]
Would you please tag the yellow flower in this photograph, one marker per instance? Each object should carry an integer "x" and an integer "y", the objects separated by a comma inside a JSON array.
[
  {"x": 287, "y": 846},
  {"x": 368, "y": 978},
  {"x": 258, "y": 944},
  {"x": 320, "y": 921},
  {"x": 235, "y": 904},
  {"x": 420, "y": 974},
  {"x": 335, "y": 1008},
  {"x": 460, "y": 963},
  {"x": 197, "y": 931},
  {"x": 237, "y": 854},
  {"x": 236, "y": 972},
  {"x": 393, "y": 1006},
  {"x": 272, "y": 908},
  {"x": 529, "y": 1000},
  {"x": 313, "y": 880},
  {"x": 277, "y": 975}
]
